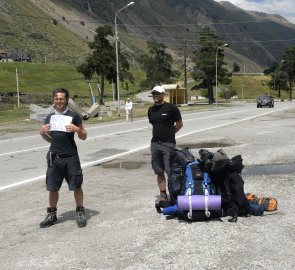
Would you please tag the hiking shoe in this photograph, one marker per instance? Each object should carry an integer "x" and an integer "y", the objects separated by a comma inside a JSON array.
[
  {"x": 164, "y": 201},
  {"x": 50, "y": 219},
  {"x": 80, "y": 217},
  {"x": 163, "y": 197}
]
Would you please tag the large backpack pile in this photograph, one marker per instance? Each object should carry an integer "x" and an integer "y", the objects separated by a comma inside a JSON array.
[
  {"x": 207, "y": 188},
  {"x": 192, "y": 193}
]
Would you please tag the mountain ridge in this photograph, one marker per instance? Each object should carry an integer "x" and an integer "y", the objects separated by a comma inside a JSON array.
[{"x": 256, "y": 39}]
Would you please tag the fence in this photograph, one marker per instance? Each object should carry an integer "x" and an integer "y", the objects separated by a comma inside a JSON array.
[{"x": 9, "y": 101}]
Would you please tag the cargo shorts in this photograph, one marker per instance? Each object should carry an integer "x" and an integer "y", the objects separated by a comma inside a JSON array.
[
  {"x": 161, "y": 152},
  {"x": 60, "y": 168}
]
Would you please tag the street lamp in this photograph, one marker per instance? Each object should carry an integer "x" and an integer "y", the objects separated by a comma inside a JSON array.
[
  {"x": 216, "y": 83},
  {"x": 117, "y": 54}
]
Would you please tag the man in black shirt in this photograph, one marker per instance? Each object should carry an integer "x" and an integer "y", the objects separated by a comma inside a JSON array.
[
  {"x": 166, "y": 121},
  {"x": 63, "y": 161}
]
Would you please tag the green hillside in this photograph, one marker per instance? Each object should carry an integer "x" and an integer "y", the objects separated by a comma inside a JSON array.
[
  {"x": 25, "y": 29},
  {"x": 40, "y": 79}
]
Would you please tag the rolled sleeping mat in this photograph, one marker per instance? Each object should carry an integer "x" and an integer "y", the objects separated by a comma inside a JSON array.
[
  {"x": 198, "y": 202},
  {"x": 170, "y": 210}
]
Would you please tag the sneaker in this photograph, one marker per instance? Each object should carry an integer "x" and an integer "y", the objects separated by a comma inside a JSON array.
[
  {"x": 80, "y": 217},
  {"x": 50, "y": 219}
]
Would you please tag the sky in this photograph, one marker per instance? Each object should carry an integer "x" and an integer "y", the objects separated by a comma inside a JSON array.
[{"x": 285, "y": 8}]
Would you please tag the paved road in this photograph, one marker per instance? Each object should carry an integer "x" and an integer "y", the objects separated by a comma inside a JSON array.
[
  {"x": 125, "y": 232},
  {"x": 23, "y": 158}
]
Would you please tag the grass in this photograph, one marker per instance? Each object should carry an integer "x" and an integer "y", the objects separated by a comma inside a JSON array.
[
  {"x": 41, "y": 78},
  {"x": 38, "y": 79},
  {"x": 13, "y": 116}
]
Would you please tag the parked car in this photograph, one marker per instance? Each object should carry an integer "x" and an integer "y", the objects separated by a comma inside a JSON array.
[{"x": 265, "y": 101}]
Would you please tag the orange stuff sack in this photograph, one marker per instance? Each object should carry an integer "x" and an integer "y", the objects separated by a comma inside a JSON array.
[{"x": 269, "y": 203}]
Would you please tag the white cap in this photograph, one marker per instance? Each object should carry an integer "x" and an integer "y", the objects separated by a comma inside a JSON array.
[{"x": 158, "y": 89}]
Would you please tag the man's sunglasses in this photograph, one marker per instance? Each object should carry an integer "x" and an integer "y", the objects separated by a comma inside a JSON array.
[{"x": 156, "y": 93}]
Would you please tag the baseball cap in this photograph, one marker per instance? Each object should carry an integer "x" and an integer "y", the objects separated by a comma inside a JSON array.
[{"x": 158, "y": 89}]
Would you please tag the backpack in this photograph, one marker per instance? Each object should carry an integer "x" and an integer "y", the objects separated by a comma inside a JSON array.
[
  {"x": 197, "y": 199},
  {"x": 178, "y": 161}
]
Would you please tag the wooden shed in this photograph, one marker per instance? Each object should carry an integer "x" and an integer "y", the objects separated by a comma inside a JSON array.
[{"x": 175, "y": 94}]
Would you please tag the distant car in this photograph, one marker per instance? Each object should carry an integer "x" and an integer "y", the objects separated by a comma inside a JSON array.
[{"x": 265, "y": 101}]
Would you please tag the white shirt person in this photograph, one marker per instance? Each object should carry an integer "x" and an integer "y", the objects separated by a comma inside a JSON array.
[{"x": 129, "y": 110}]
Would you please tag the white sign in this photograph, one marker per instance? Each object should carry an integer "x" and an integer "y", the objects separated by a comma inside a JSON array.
[{"x": 59, "y": 122}]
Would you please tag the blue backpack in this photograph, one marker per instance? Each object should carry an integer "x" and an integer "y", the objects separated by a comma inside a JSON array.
[{"x": 197, "y": 199}]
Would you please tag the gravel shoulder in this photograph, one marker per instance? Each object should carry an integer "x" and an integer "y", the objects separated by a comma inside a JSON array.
[{"x": 125, "y": 232}]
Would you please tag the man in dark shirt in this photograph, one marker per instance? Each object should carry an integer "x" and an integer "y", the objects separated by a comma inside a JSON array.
[
  {"x": 63, "y": 161},
  {"x": 166, "y": 121}
]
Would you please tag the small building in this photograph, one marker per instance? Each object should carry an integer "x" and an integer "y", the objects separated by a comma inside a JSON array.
[{"x": 175, "y": 93}]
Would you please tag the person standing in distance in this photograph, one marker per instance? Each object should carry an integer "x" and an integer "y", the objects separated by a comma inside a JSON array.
[
  {"x": 166, "y": 121},
  {"x": 129, "y": 110},
  {"x": 62, "y": 159}
]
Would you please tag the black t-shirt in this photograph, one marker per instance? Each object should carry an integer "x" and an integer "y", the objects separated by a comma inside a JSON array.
[
  {"x": 63, "y": 143},
  {"x": 163, "y": 118}
]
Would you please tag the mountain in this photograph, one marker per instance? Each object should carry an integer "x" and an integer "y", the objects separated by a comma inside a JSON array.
[{"x": 60, "y": 29}]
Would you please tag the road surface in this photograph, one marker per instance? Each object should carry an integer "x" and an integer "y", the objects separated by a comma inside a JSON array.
[{"x": 124, "y": 231}]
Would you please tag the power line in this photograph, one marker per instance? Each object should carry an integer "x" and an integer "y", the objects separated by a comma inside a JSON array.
[
  {"x": 230, "y": 41},
  {"x": 147, "y": 25}
]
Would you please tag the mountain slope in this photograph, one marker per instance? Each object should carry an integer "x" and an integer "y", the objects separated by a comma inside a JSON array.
[
  {"x": 26, "y": 29},
  {"x": 256, "y": 39}
]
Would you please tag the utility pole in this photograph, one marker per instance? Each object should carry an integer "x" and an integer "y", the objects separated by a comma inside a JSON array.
[
  {"x": 185, "y": 75},
  {"x": 17, "y": 88}
]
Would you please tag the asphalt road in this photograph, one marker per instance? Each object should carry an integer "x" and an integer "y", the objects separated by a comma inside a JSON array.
[
  {"x": 22, "y": 158},
  {"x": 125, "y": 232}
]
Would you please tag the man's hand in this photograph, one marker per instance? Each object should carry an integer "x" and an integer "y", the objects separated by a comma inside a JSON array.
[{"x": 82, "y": 134}]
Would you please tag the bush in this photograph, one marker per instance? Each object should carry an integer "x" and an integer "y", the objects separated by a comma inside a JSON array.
[{"x": 228, "y": 93}]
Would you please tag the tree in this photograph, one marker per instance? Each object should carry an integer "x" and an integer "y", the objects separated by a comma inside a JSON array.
[
  {"x": 236, "y": 67},
  {"x": 102, "y": 61},
  {"x": 158, "y": 65},
  {"x": 288, "y": 66},
  {"x": 205, "y": 62},
  {"x": 279, "y": 78}
]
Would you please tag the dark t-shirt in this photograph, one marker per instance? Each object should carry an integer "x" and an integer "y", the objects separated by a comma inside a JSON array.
[
  {"x": 63, "y": 143},
  {"x": 163, "y": 118}
]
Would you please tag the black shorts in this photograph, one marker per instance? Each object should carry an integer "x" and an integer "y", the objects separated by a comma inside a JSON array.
[
  {"x": 68, "y": 168},
  {"x": 161, "y": 156}
]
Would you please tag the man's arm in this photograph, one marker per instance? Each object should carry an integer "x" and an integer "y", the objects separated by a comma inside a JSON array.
[
  {"x": 82, "y": 133},
  {"x": 178, "y": 125},
  {"x": 45, "y": 133}
]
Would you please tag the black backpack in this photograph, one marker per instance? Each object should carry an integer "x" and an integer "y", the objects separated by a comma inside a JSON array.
[{"x": 178, "y": 161}]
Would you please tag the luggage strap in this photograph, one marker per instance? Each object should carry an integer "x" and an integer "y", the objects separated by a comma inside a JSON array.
[
  {"x": 190, "y": 203},
  {"x": 206, "y": 193}
]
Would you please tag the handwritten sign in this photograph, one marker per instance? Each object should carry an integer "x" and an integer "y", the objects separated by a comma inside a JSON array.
[{"x": 59, "y": 122}]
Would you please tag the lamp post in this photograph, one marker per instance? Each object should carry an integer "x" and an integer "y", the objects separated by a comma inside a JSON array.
[
  {"x": 216, "y": 83},
  {"x": 117, "y": 54}
]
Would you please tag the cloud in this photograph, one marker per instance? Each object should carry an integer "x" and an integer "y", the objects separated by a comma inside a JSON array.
[{"x": 285, "y": 8}]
